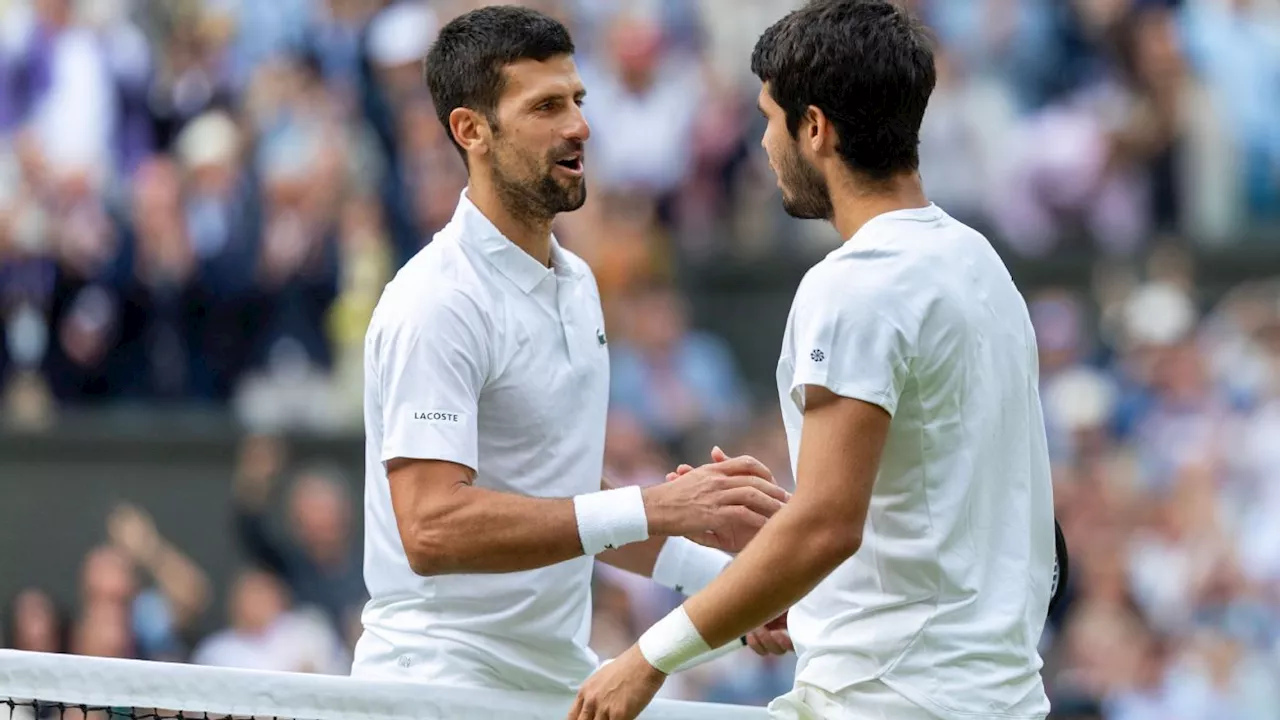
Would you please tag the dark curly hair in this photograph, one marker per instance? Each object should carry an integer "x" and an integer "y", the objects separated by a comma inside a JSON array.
[{"x": 867, "y": 64}]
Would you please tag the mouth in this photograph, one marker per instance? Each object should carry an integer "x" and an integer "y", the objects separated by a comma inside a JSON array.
[{"x": 572, "y": 164}]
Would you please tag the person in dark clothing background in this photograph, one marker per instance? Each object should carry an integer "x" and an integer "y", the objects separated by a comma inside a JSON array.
[{"x": 316, "y": 557}]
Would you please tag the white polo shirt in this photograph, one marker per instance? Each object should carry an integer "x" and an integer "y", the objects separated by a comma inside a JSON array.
[
  {"x": 480, "y": 355},
  {"x": 946, "y": 599}
]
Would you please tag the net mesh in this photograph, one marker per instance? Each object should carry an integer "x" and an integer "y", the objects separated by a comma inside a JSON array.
[{"x": 39, "y": 686}]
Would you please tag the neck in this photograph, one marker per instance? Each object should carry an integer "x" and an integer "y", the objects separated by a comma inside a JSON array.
[
  {"x": 856, "y": 204},
  {"x": 533, "y": 235}
]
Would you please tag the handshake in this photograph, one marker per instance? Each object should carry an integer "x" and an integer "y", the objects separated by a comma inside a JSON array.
[{"x": 721, "y": 505}]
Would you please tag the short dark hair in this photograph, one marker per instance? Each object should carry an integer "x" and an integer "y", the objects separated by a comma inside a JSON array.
[
  {"x": 464, "y": 67},
  {"x": 867, "y": 64}
]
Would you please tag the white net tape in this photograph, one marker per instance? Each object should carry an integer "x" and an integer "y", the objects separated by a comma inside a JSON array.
[{"x": 144, "y": 689}]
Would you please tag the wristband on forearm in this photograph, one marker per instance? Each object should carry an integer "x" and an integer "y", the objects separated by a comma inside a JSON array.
[
  {"x": 686, "y": 567},
  {"x": 672, "y": 642},
  {"x": 609, "y": 519}
]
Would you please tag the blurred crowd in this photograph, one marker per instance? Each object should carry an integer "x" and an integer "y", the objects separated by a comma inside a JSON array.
[{"x": 200, "y": 201}]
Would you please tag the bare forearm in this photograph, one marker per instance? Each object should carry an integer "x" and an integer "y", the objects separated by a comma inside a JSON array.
[
  {"x": 484, "y": 531},
  {"x": 791, "y": 555},
  {"x": 447, "y": 525},
  {"x": 182, "y": 581}
]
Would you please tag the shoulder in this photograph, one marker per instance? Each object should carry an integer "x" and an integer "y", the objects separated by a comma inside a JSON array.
[
  {"x": 896, "y": 265},
  {"x": 419, "y": 302},
  {"x": 865, "y": 279}
]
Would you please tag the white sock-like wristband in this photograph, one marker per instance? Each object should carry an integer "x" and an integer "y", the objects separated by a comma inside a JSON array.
[
  {"x": 686, "y": 567},
  {"x": 609, "y": 519},
  {"x": 672, "y": 642}
]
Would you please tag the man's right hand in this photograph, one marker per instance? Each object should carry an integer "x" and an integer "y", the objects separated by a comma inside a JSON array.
[{"x": 721, "y": 505}]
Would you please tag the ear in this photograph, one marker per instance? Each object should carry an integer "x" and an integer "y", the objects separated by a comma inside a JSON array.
[
  {"x": 817, "y": 131},
  {"x": 470, "y": 130}
]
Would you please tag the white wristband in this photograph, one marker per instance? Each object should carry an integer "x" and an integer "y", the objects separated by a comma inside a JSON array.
[
  {"x": 609, "y": 519},
  {"x": 686, "y": 567},
  {"x": 672, "y": 642}
]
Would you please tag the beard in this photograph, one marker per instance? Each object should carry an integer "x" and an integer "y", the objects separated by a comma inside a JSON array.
[
  {"x": 805, "y": 194},
  {"x": 529, "y": 190}
]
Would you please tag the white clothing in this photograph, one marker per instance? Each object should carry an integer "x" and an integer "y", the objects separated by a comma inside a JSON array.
[
  {"x": 295, "y": 642},
  {"x": 867, "y": 701},
  {"x": 478, "y": 354},
  {"x": 946, "y": 599}
]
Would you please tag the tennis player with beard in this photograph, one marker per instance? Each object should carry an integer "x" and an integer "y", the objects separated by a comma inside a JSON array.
[
  {"x": 917, "y": 553},
  {"x": 486, "y": 385}
]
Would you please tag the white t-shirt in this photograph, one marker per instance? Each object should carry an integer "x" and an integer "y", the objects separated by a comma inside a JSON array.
[
  {"x": 294, "y": 642},
  {"x": 946, "y": 599},
  {"x": 478, "y": 354}
]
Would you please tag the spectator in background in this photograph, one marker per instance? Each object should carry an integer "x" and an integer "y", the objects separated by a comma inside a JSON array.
[
  {"x": 84, "y": 311},
  {"x": 429, "y": 175},
  {"x": 1167, "y": 133},
  {"x": 28, "y": 273},
  {"x": 265, "y": 634},
  {"x": 35, "y": 623},
  {"x": 619, "y": 235},
  {"x": 1223, "y": 673},
  {"x": 158, "y": 619},
  {"x": 403, "y": 121},
  {"x": 218, "y": 198},
  {"x": 642, "y": 107},
  {"x": 963, "y": 157},
  {"x": 295, "y": 273},
  {"x": 1234, "y": 45},
  {"x": 160, "y": 298},
  {"x": 317, "y": 558},
  {"x": 333, "y": 35},
  {"x": 631, "y": 457},
  {"x": 58, "y": 89},
  {"x": 674, "y": 380},
  {"x": 103, "y": 630}
]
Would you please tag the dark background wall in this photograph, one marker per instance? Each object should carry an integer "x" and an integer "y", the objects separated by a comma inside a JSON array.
[{"x": 56, "y": 490}]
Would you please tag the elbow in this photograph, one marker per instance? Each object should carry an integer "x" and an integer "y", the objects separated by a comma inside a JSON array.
[
  {"x": 429, "y": 545},
  {"x": 433, "y": 521},
  {"x": 428, "y": 555}
]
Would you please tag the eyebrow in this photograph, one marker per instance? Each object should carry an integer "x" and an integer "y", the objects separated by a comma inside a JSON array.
[{"x": 578, "y": 96}]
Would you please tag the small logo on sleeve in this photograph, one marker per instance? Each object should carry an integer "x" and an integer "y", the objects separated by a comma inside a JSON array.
[
  {"x": 436, "y": 417},
  {"x": 817, "y": 356},
  {"x": 600, "y": 338}
]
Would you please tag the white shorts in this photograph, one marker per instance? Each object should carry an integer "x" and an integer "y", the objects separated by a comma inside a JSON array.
[{"x": 865, "y": 701}]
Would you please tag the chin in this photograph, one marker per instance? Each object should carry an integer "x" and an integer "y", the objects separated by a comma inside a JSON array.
[{"x": 576, "y": 194}]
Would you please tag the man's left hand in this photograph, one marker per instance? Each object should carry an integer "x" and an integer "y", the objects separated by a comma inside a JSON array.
[{"x": 620, "y": 690}]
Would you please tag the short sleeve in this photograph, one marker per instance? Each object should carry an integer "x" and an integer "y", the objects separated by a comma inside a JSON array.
[
  {"x": 857, "y": 348},
  {"x": 434, "y": 363}
]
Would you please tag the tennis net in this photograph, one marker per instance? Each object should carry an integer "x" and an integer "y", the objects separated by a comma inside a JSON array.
[{"x": 40, "y": 686}]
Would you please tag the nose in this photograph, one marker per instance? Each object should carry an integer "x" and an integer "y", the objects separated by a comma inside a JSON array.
[{"x": 577, "y": 129}]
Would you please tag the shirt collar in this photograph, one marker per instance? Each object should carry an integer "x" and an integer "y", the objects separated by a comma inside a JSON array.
[
  {"x": 517, "y": 265},
  {"x": 866, "y": 236}
]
